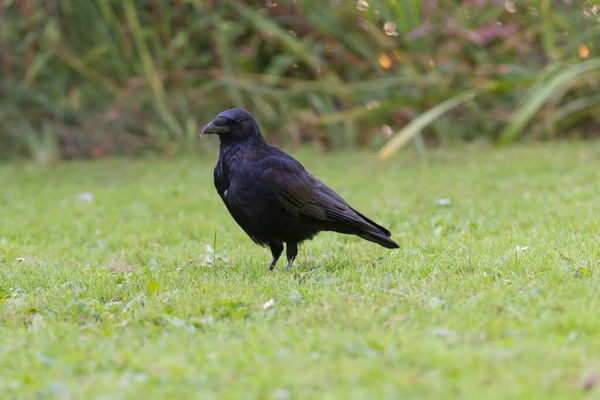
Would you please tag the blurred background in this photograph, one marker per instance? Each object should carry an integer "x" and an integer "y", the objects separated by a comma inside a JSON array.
[{"x": 102, "y": 78}]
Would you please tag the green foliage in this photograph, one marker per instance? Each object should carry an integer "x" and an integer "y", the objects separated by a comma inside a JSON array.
[
  {"x": 540, "y": 95},
  {"x": 108, "y": 77},
  {"x": 416, "y": 125},
  {"x": 114, "y": 284}
]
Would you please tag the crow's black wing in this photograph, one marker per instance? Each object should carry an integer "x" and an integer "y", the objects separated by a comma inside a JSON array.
[{"x": 302, "y": 194}]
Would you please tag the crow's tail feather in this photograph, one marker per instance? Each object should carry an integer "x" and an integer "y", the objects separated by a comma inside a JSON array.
[
  {"x": 378, "y": 238},
  {"x": 376, "y": 233},
  {"x": 374, "y": 224}
]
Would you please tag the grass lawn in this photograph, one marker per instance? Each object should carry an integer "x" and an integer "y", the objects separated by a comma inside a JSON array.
[{"x": 110, "y": 288}]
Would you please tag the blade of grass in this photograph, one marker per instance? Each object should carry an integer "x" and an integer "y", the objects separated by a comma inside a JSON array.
[
  {"x": 149, "y": 70},
  {"x": 541, "y": 95},
  {"x": 548, "y": 31},
  {"x": 569, "y": 109},
  {"x": 5, "y": 57},
  {"x": 225, "y": 35},
  {"x": 292, "y": 44},
  {"x": 85, "y": 70},
  {"x": 418, "y": 124},
  {"x": 289, "y": 42}
]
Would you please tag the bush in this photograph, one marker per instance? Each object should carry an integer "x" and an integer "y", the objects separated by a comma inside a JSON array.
[{"x": 112, "y": 77}]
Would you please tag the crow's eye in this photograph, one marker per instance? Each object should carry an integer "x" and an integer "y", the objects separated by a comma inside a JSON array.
[{"x": 237, "y": 122}]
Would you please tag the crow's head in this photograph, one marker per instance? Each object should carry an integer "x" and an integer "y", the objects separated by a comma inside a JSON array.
[{"x": 234, "y": 124}]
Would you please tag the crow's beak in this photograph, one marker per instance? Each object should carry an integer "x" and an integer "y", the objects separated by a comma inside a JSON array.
[{"x": 217, "y": 126}]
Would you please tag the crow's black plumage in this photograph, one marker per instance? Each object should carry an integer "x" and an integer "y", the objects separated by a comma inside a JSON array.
[{"x": 272, "y": 197}]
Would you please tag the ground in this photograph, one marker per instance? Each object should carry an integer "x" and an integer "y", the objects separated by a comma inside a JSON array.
[{"x": 110, "y": 287}]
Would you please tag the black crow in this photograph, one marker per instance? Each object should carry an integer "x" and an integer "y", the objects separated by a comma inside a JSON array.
[{"x": 273, "y": 198}]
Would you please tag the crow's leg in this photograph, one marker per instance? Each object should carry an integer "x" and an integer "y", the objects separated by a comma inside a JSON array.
[
  {"x": 276, "y": 250},
  {"x": 291, "y": 251}
]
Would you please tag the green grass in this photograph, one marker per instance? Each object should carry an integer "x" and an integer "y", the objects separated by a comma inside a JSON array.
[{"x": 493, "y": 296}]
